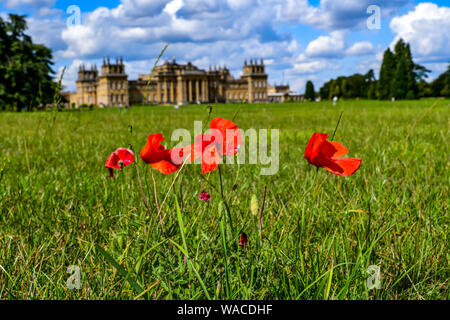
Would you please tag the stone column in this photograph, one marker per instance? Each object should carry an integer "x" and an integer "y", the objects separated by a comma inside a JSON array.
[
  {"x": 180, "y": 90},
  {"x": 172, "y": 89},
  {"x": 204, "y": 86},
  {"x": 197, "y": 91},
  {"x": 190, "y": 90},
  {"x": 158, "y": 90}
]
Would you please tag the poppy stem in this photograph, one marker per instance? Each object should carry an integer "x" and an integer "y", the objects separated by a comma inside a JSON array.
[
  {"x": 220, "y": 179},
  {"x": 157, "y": 205},
  {"x": 337, "y": 125},
  {"x": 224, "y": 200},
  {"x": 260, "y": 217},
  {"x": 144, "y": 198}
]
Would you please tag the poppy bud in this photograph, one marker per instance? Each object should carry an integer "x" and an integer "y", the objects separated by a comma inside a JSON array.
[{"x": 243, "y": 239}]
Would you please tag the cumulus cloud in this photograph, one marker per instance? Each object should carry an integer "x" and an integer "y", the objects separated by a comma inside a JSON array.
[
  {"x": 360, "y": 49},
  {"x": 335, "y": 15},
  {"x": 327, "y": 46},
  {"x": 426, "y": 29}
]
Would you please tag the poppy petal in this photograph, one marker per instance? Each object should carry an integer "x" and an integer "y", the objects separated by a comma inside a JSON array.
[
  {"x": 230, "y": 139},
  {"x": 340, "y": 150},
  {"x": 112, "y": 161},
  {"x": 165, "y": 166},
  {"x": 125, "y": 155},
  {"x": 210, "y": 159},
  {"x": 153, "y": 151},
  {"x": 314, "y": 146},
  {"x": 159, "y": 157},
  {"x": 344, "y": 167}
]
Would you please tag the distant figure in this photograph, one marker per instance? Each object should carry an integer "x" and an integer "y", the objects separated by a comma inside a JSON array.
[
  {"x": 335, "y": 99},
  {"x": 393, "y": 99},
  {"x": 176, "y": 106}
]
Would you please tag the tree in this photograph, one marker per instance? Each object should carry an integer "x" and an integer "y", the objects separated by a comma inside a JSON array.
[
  {"x": 25, "y": 68},
  {"x": 399, "y": 83},
  {"x": 309, "y": 91},
  {"x": 386, "y": 75},
  {"x": 440, "y": 86}
]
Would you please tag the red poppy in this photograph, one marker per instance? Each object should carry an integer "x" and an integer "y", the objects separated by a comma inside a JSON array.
[
  {"x": 159, "y": 157},
  {"x": 225, "y": 139},
  {"x": 118, "y": 159},
  {"x": 323, "y": 153}
]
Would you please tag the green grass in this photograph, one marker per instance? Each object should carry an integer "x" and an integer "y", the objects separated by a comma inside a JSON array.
[{"x": 59, "y": 208}]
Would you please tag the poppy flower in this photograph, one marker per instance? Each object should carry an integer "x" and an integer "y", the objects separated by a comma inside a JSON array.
[
  {"x": 204, "y": 196},
  {"x": 159, "y": 157},
  {"x": 243, "y": 239},
  {"x": 118, "y": 159},
  {"x": 224, "y": 139},
  {"x": 327, "y": 154}
]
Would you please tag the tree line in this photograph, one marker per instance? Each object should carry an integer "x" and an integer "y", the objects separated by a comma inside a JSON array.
[
  {"x": 26, "y": 75},
  {"x": 399, "y": 78}
]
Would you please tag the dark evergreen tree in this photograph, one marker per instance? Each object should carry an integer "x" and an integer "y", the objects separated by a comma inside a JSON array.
[
  {"x": 309, "y": 91},
  {"x": 387, "y": 70},
  {"x": 399, "y": 81}
]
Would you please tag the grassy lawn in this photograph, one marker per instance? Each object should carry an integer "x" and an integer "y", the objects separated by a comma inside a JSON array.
[{"x": 321, "y": 232}]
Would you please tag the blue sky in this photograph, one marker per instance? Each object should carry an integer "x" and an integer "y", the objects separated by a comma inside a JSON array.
[{"x": 299, "y": 40}]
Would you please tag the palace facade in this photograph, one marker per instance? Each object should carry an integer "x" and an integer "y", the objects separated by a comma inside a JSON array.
[{"x": 171, "y": 83}]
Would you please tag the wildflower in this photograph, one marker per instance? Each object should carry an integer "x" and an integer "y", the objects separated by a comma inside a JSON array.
[
  {"x": 159, "y": 157},
  {"x": 225, "y": 139},
  {"x": 325, "y": 154},
  {"x": 118, "y": 160},
  {"x": 243, "y": 239},
  {"x": 204, "y": 196}
]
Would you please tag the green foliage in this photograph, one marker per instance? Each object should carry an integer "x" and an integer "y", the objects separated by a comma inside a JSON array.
[
  {"x": 387, "y": 70},
  {"x": 440, "y": 86},
  {"x": 25, "y": 68},
  {"x": 399, "y": 75},
  {"x": 354, "y": 86},
  {"x": 309, "y": 91},
  {"x": 58, "y": 207}
]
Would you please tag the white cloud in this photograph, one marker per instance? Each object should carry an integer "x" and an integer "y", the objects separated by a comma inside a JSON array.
[
  {"x": 33, "y": 3},
  {"x": 426, "y": 29},
  {"x": 326, "y": 46},
  {"x": 360, "y": 49},
  {"x": 333, "y": 15}
]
